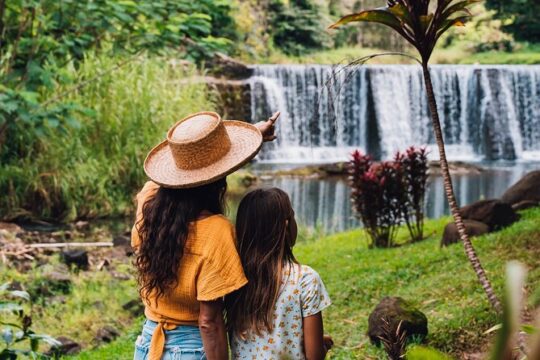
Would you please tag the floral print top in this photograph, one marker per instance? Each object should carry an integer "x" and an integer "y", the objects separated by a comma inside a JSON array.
[{"x": 302, "y": 294}]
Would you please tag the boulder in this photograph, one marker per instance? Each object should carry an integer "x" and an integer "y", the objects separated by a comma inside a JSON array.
[
  {"x": 526, "y": 189},
  {"x": 388, "y": 315},
  {"x": 494, "y": 213},
  {"x": 524, "y": 205},
  {"x": 122, "y": 240},
  {"x": 51, "y": 283},
  {"x": 66, "y": 347},
  {"x": 77, "y": 258},
  {"x": 134, "y": 307},
  {"x": 225, "y": 66},
  {"x": 474, "y": 228},
  {"x": 106, "y": 334}
]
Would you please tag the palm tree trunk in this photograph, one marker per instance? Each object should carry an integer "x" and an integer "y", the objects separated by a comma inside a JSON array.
[{"x": 449, "y": 189}]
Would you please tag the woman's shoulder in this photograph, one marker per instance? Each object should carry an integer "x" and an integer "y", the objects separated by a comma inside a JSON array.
[{"x": 148, "y": 189}]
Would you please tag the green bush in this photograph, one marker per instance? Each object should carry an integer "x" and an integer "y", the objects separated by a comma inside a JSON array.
[
  {"x": 297, "y": 28},
  {"x": 93, "y": 167},
  {"x": 17, "y": 336}
]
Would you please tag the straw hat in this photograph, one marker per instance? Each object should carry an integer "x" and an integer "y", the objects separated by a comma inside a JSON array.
[{"x": 200, "y": 149}]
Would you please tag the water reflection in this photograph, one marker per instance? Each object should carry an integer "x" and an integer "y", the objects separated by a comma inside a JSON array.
[{"x": 326, "y": 203}]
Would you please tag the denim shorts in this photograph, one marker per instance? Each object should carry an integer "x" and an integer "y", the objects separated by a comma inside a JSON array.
[{"x": 182, "y": 343}]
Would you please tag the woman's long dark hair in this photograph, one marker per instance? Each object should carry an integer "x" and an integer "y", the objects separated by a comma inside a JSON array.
[
  {"x": 264, "y": 241},
  {"x": 164, "y": 229}
]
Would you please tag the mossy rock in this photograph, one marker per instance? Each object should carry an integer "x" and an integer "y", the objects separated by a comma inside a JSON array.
[{"x": 389, "y": 314}]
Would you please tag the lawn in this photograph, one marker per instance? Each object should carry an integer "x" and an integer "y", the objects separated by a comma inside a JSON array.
[
  {"x": 525, "y": 55},
  {"x": 439, "y": 281}
]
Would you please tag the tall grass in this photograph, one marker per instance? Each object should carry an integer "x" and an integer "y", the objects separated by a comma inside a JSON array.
[{"x": 93, "y": 168}]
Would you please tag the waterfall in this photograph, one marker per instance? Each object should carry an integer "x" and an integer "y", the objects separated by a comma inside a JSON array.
[{"x": 487, "y": 112}]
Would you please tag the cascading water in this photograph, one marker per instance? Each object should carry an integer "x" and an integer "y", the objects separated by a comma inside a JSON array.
[{"x": 487, "y": 112}]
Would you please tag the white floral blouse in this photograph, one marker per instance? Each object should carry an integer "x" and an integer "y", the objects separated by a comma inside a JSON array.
[{"x": 302, "y": 294}]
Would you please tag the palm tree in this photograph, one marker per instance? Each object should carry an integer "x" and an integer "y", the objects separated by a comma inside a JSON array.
[{"x": 422, "y": 23}]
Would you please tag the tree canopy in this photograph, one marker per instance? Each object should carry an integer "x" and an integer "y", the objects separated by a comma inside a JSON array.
[{"x": 522, "y": 17}]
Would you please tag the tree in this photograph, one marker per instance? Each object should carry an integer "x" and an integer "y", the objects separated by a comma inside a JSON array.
[
  {"x": 522, "y": 16},
  {"x": 422, "y": 23},
  {"x": 39, "y": 38},
  {"x": 296, "y": 27}
]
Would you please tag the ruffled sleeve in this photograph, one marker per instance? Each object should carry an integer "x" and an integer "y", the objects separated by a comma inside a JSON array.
[{"x": 314, "y": 296}]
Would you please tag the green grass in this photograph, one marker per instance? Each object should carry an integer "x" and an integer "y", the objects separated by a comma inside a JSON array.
[
  {"x": 525, "y": 54},
  {"x": 439, "y": 281}
]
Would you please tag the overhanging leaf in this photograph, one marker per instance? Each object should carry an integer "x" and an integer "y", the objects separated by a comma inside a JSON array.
[{"x": 381, "y": 16}]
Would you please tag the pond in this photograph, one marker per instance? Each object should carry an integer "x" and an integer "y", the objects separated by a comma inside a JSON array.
[{"x": 325, "y": 203}]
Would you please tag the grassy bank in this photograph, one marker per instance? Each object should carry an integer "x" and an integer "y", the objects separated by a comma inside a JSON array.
[
  {"x": 525, "y": 55},
  {"x": 439, "y": 281}
]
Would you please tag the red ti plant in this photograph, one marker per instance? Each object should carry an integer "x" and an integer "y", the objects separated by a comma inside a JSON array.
[
  {"x": 376, "y": 195},
  {"x": 414, "y": 163},
  {"x": 422, "y": 23}
]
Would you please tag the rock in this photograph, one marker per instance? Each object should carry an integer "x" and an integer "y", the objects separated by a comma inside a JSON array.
[
  {"x": 494, "y": 213},
  {"x": 51, "y": 283},
  {"x": 106, "y": 334},
  {"x": 396, "y": 310},
  {"x": 11, "y": 228},
  {"x": 82, "y": 225},
  {"x": 134, "y": 307},
  {"x": 223, "y": 65},
  {"x": 524, "y": 205},
  {"x": 526, "y": 189},
  {"x": 77, "y": 258},
  {"x": 335, "y": 169},
  {"x": 455, "y": 168},
  {"x": 66, "y": 347},
  {"x": 474, "y": 228},
  {"x": 122, "y": 240}
]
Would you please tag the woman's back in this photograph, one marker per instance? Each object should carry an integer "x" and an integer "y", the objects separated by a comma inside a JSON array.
[{"x": 302, "y": 294}]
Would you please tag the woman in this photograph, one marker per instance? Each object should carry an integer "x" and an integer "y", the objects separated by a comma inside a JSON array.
[{"x": 186, "y": 255}]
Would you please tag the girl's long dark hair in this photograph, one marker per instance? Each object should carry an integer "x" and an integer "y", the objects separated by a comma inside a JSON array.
[
  {"x": 164, "y": 229},
  {"x": 264, "y": 243}
]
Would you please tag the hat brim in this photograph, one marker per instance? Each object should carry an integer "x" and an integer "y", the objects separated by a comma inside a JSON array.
[{"x": 246, "y": 141}]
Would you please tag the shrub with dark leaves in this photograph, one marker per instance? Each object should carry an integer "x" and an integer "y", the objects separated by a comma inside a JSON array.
[
  {"x": 375, "y": 195},
  {"x": 415, "y": 173},
  {"x": 386, "y": 194}
]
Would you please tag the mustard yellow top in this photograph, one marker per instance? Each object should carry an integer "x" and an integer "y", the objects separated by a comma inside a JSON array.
[{"x": 209, "y": 269}]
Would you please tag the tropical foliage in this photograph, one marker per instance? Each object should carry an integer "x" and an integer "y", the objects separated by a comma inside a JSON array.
[
  {"x": 422, "y": 23},
  {"x": 521, "y": 17},
  {"x": 17, "y": 335},
  {"x": 388, "y": 194}
]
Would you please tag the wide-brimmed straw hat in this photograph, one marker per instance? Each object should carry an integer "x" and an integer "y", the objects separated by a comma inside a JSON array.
[{"x": 201, "y": 149}]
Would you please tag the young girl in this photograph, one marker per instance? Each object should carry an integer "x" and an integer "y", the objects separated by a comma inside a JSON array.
[{"x": 277, "y": 315}]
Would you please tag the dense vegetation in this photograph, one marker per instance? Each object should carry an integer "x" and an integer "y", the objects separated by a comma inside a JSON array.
[
  {"x": 55, "y": 57},
  {"x": 438, "y": 281},
  {"x": 520, "y": 17}
]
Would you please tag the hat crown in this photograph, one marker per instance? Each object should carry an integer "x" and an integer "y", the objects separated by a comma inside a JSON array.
[
  {"x": 194, "y": 128},
  {"x": 198, "y": 141}
]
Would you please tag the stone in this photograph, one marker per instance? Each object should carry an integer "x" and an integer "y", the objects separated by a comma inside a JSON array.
[
  {"x": 134, "y": 307},
  {"x": 106, "y": 334},
  {"x": 51, "y": 283},
  {"x": 474, "y": 228},
  {"x": 225, "y": 66},
  {"x": 77, "y": 258},
  {"x": 11, "y": 228},
  {"x": 526, "y": 189},
  {"x": 494, "y": 213},
  {"x": 396, "y": 310},
  {"x": 67, "y": 347},
  {"x": 122, "y": 240},
  {"x": 524, "y": 205}
]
